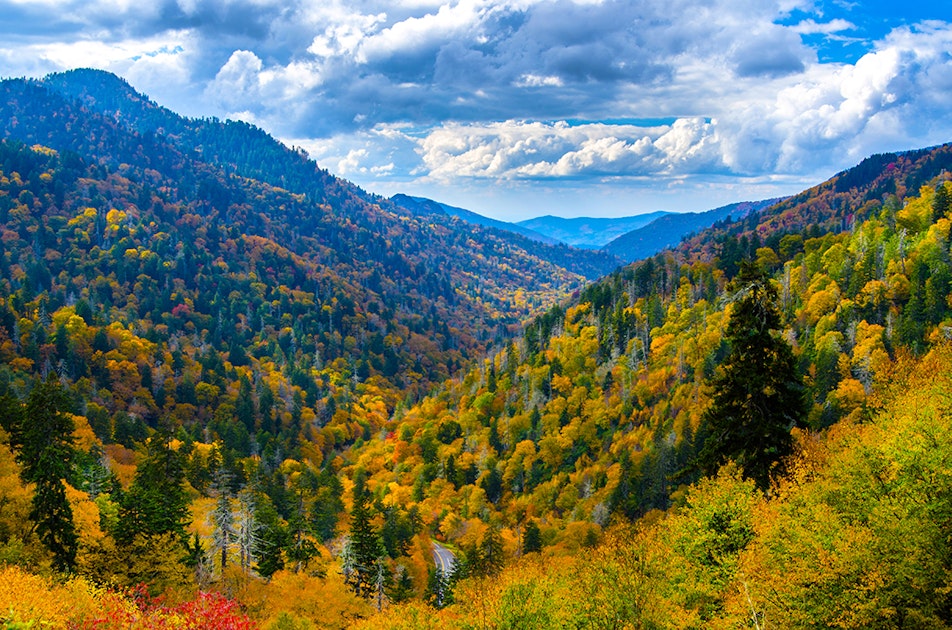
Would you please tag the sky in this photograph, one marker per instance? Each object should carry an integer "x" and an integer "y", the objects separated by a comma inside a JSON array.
[{"x": 520, "y": 108}]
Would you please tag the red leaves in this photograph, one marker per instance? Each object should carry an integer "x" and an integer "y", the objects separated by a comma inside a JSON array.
[{"x": 135, "y": 609}]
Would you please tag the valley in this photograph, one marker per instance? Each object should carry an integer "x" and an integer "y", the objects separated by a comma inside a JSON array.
[{"x": 272, "y": 395}]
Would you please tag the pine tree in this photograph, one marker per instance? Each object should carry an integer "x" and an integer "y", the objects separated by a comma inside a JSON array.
[
  {"x": 44, "y": 434},
  {"x": 492, "y": 552},
  {"x": 366, "y": 544},
  {"x": 157, "y": 502},
  {"x": 758, "y": 396},
  {"x": 531, "y": 538}
]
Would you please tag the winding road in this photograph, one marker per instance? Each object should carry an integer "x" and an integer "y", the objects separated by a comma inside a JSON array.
[{"x": 443, "y": 558}]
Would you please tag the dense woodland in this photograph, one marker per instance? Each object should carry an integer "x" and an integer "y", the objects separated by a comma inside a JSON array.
[{"x": 234, "y": 388}]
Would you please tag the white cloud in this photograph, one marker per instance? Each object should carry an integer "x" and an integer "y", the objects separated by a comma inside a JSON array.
[
  {"x": 521, "y": 150},
  {"x": 812, "y": 27},
  {"x": 424, "y": 88},
  {"x": 449, "y": 23},
  {"x": 535, "y": 80},
  {"x": 238, "y": 80}
]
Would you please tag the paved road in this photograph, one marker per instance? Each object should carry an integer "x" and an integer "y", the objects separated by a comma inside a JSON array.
[{"x": 444, "y": 558}]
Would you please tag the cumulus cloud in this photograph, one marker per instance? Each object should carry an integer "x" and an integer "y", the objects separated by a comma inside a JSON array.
[
  {"x": 525, "y": 150},
  {"x": 450, "y": 89}
]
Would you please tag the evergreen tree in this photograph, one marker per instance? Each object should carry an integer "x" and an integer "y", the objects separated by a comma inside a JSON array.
[
  {"x": 157, "y": 502},
  {"x": 301, "y": 548},
  {"x": 492, "y": 552},
  {"x": 758, "y": 396},
  {"x": 402, "y": 588},
  {"x": 531, "y": 538},
  {"x": 44, "y": 434},
  {"x": 941, "y": 203},
  {"x": 365, "y": 544}
]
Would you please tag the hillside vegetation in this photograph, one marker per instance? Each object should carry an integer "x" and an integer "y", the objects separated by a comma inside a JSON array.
[{"x": 221, "y": 390}]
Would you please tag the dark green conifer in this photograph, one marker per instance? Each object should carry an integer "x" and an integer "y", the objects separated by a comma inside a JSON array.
[
  {"x": 531, "y": 538},
  {"x": 365, "y": 544},
  {"x": 758, "y": 396},
  {"x": 157, "y": 502},
  {"x": 44, "y": 434}
]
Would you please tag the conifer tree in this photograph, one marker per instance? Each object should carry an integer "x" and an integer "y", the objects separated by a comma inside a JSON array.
[
  {"x": 44, "y": 434},
  {"x": 157, "y": 502},
  {"x": 492, "y": 552},
  {"x": 366, "y": 547},
  {"x": 531, "y": 538},
  {"x": 758, "y": 396}
]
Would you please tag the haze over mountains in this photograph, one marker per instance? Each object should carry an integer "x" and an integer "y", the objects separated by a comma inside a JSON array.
[
  {"x": 627, "y": 238},
  {"x": 587, "y": 232},
  {"x": 258, "y": 341}
]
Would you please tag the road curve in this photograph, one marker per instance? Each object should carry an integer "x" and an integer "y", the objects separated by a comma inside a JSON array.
[{"x": 443, "y": 558}]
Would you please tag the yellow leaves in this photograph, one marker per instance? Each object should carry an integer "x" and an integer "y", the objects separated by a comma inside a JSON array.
[
  {"x": 917, "y": 213},
  {"x": 850, "y": 395},
  {"x": 561, "y": 384},
  {"x": 44, "y": 150},
  {"x": 874, "y": 293},
  {"x": 85, "y": 516},
  {"x": 30, "y": 599},
  {"x": 83, "y": 436},
  {"x": 115, "y": 217},
  {"x": 822, "y": 303}
]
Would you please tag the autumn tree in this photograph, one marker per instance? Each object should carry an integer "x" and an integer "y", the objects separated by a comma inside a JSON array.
[{"x": 758, "y": 396}]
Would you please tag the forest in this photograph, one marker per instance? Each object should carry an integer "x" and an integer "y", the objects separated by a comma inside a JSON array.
[{"x": 236, "y": 391}]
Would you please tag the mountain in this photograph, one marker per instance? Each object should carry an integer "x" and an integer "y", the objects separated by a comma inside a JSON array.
[
  {"x": 322, "y": 382},
  {"x": 668, "y": 230},
  {"x": 838, "y": 204},
  {"x": 594, "y": 414},
  {"x": 586, "y": 263},
  {"x": 235, "y": 260},
  {"x": 585, "y": 232},
  {"x": 421, "y": 205}
]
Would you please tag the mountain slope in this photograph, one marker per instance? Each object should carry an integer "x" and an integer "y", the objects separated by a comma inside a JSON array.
[
  {"x": 596, "y": 411},
  {"x": 586, "y": 232},
  {"x": 848, "y": 197},
  {"x": 331, "y": 308},
  {"x": 586, "y": 263},
  {"x": 668, "y": 230},
  {"x": 421, "y": 205}
]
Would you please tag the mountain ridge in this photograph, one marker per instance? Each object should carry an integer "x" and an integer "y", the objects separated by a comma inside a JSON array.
[{"x": 588, "y": 232}]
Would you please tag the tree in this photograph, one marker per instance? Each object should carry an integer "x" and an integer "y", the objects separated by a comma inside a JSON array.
[
  {"x": 222, "y": 519},
  {"x": 492, "y": 552},
  {"x": 157, "y": 502},
  {"x": 758, "y": 396},
  {"x": 531, "y": 538},
  {"x": 365, "y": 545},
  {"x": 44, "y": 434}
]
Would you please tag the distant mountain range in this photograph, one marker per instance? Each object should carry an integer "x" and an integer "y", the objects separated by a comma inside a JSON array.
[
  {"x": 625, "y": 239},
  {"x": 588, "y": 232},
  {"x": 668, "y": 230}
]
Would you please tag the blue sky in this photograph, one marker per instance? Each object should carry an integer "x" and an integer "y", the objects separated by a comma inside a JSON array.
[{"x": 527, "y": 107}]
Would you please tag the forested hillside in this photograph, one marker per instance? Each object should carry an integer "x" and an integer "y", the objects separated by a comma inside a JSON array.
[
  {"x": 596, "y": 410},
  {"x": 263, "y": 399},
  {"x": 667, "y": 231}
]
